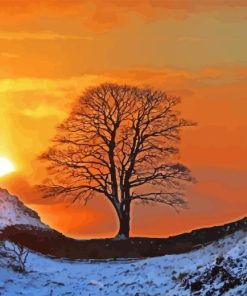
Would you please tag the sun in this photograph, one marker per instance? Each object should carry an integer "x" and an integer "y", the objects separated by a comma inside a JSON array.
[{"x": 6, "y": 167}]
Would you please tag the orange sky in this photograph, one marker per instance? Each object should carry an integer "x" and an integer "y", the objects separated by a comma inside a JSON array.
[{"x": 50, "y": 51}]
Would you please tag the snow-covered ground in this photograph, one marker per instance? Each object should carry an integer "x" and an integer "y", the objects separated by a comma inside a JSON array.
[
  {"x": 217, "y": 269},
  {"x": 169, "y": 275}
]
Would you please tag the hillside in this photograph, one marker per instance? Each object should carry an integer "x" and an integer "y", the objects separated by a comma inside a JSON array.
[
  {"x": 23, "y": 225},
  {"x": 217, "y": 269},
  {"x": 14, "y": 212},
  {"x": 205, "y": 262}
]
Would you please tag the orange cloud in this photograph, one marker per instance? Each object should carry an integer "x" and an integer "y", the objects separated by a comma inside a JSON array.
[
  {"x": 100, "y": 15},
  {"x": 19, "y": 36}
]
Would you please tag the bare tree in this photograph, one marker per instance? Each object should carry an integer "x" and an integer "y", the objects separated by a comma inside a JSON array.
[
  {"x": 18, "y": 255},
  {"x": 119, "y": 142}
]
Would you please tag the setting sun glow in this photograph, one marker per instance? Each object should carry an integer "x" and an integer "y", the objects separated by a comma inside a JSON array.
[{"x": 6, "y": 166}]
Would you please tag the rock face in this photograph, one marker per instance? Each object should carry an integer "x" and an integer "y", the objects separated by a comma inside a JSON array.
[
  {"x": 14, "y": 212},
  {"x": 225, "y": 274}
]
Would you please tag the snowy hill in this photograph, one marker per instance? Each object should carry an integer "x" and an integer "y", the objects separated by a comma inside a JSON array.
[
  {"x": 22, "y": 225},
  {"x": 51, "y": 242},
  {"x": 14, "y": 212},
  {"x": 217, "y": 269},
  {"x": 209, "y": 262}
]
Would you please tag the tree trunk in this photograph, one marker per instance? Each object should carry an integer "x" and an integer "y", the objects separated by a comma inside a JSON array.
[
  {"x": 124, "y": 226},
  {"x": 124, "y": 221}
]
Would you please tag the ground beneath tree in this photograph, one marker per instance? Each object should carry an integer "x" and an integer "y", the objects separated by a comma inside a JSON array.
[
  {"x": 53, "y": 243},
  {"x": 215, "y": 270}
]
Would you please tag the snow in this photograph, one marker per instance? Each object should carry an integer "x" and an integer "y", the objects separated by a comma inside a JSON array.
[
  {"x": 14, "y": 212},
  {"x": 153, "y": 276},
  {"x": 120, "y": 237},
  {"x": 170, "y": 275}
]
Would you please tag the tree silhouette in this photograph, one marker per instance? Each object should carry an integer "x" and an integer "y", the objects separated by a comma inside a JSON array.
[{"x": 121, "y": 143}]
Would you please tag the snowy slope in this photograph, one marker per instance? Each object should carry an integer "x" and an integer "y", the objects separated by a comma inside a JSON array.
[
  {"x": 170, "y": 275},
  {"x": 14, "y": 212},
  {"x": 220, "y": 268}
]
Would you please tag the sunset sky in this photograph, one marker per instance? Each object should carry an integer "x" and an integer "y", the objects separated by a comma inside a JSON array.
[{"x": 51, "y": 50}]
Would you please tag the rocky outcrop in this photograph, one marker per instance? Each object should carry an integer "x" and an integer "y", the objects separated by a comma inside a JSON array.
[{"x": 14, "y": 212}]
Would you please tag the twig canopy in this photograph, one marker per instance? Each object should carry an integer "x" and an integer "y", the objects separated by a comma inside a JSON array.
[{"x": 120, "y": 142}]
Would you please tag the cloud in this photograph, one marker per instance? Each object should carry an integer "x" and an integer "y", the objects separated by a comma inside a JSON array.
[
  {"x": 42, "y": 36},
  {"x": 8, "y": 55},
  {"x": 181, "y": 80},
  {"x": 43, "y": 111},
  {"x": 54, "y": 86},
  {"x": 101, "y": 15},
  {"x": 19, "y": 185}
]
